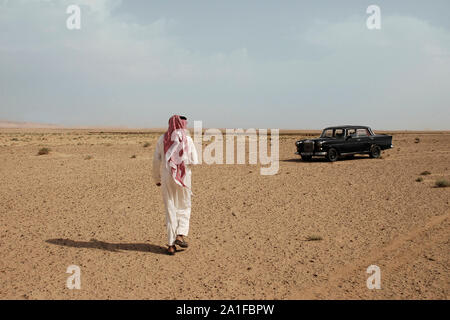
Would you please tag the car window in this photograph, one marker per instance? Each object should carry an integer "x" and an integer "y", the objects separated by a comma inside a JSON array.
[
  {"x": 362, "y": 132},
  {"x": 327, "y": 133},
  {"x": 339, "y": 133},
  {"x": 351, "y": 132}
]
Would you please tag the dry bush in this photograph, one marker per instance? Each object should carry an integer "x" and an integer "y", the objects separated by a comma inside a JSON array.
[
  {"x": 442, "y": 183},
  {"x": 313, "y": 238},
  {"x": 43, "y": 151},
  {"x": 425, "y": 173},
  {"x": 147, "y": 144}
]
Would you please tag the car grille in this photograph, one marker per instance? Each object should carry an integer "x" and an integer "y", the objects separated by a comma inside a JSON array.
[{"x": 308, "y": 146}]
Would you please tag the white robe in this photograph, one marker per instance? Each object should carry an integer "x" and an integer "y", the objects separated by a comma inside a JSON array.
[{"x": 177, "y": 199}]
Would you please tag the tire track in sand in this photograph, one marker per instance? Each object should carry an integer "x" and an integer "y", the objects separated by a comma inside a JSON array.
[{"x": 351, "y": 270}]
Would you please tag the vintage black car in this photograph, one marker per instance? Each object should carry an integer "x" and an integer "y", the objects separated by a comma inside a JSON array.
[{"x": 343, "y": 141}]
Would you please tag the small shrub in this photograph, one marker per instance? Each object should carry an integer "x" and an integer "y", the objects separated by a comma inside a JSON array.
[
  {"x": 313, "y": 238},
  {"x": 425, "y": 173},
  {"x": 419, "y": 179},
  {"x": 89, "y": 157},
  {"x": 133, "y": 156},
  {"x": 147, "y": 144},
  {"x": 442, "y": 183},
  {"x": 14, "y": 139},
  {"x": 43, "y": 151}
]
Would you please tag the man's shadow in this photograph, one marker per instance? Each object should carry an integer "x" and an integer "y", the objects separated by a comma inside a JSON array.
[{"x": 113, "y": 247}]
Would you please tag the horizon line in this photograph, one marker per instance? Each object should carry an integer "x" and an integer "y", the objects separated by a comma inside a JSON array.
[{"x": 12, "y": 124}]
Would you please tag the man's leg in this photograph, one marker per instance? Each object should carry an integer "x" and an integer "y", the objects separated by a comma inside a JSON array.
[
  {"x": 171, "y": 212},
  {"x": 183, "y": 215},
  {"x": 183, "y": 221}
]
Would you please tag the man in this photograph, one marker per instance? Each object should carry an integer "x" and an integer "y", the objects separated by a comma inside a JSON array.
[{"x": 174, "y": 152}]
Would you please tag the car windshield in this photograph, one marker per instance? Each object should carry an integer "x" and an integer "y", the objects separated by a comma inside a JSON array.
[{"x": 327, "y": 133}]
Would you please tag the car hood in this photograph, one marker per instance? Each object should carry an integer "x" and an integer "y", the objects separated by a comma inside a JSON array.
[{"x": 316, "y": 139}]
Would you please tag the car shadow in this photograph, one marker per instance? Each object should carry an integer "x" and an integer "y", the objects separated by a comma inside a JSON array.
[
  {"x": 300, "y": 160},
  {"x": 321, "y": 159},
  {"x": 112, "y": 247}
]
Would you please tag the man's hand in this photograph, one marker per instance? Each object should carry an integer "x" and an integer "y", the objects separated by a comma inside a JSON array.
[{"x": 158, "y": 184}]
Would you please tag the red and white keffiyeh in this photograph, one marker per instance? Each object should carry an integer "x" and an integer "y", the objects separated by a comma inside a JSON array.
[{"x": 176, "y": 148}]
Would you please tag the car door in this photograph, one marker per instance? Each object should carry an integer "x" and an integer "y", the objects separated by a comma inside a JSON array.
[
  {"x": 340, "y": 142},
  {"x": 351, "y": 143},
  {"x": 363, "y": 140}
]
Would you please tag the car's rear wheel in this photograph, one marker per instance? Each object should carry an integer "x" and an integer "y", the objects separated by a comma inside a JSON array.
[
  {"x": 375, "y": 151},
  {"x": 306, "y": 158},
  {"x": 332, "y": 155}
]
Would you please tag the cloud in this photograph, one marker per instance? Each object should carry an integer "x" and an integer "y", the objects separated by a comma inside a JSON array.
[{"x": 116, "y": 71}]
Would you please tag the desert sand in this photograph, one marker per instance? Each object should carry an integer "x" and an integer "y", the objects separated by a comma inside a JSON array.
[{"x": 90, "y": 203}]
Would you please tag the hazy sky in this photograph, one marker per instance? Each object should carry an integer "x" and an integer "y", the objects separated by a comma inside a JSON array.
[{"x": 262, "y": 63}]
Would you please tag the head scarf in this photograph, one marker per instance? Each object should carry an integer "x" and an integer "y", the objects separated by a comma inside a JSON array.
[{"x": 176, "y": 148}]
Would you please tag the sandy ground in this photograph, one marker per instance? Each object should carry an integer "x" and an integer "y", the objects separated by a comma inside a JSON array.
[{"x": 89, "y": 203}]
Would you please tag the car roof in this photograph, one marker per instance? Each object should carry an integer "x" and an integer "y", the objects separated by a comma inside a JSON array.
[{"x": 346, "y": 127}]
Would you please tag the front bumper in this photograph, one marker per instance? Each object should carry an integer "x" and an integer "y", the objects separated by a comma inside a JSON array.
[{"x": 322, "y": 153}]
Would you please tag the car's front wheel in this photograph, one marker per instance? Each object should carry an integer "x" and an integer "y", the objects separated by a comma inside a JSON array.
[
  {"x": 375, "y": 152},
  {"x": 332, "y": 155}
]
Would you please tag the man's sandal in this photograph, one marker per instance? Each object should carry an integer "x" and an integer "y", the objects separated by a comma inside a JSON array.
[
  {"x": 171, "y": 253},
  {"x": 182, "y": 244}
]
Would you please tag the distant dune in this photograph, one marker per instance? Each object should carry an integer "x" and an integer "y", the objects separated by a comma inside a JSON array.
[
  {"x": 26, "y": 125},
  {"x": 6, "y": 124}
]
